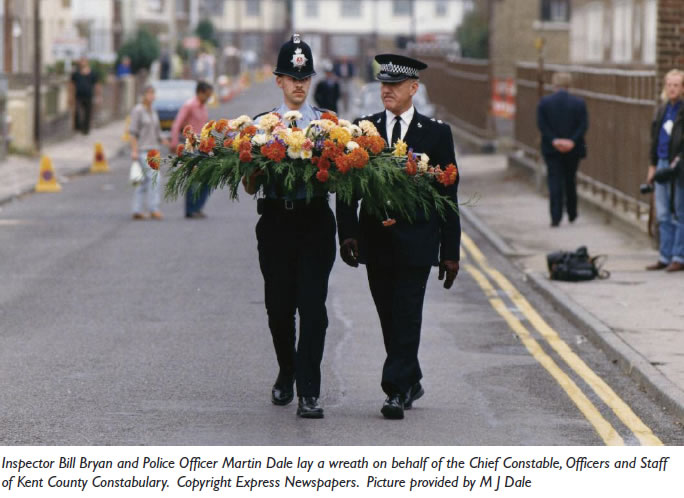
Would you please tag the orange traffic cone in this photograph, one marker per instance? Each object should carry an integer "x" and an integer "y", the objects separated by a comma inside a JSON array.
[
  {"x": 99, "y": 161},
  {"x": 47, "y": 181}
]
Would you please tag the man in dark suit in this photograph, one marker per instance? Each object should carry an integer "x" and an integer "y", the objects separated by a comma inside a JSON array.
[
  {"x": 398, "y": 258},
  {"x": 327, "y": 91},
  {"x": 562, "y": 121}
]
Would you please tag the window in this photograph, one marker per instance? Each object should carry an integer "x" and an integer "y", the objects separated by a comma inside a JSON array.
[
  {"x": 401, "y": 7},
  {"x": 648, "y": 44},
  {"x": 351, "y": 8},
  {"x": 441, "y": 7},
  {"x": 622, "y": 31},
  {"x": 154, "y": 5},
  {"x": 253, "y": 7},
  {"x": 311, "y": 8},
  {"x": 555, "y": 10}
]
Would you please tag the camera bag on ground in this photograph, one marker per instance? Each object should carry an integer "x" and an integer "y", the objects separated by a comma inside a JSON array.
[{"x": 575, "y": 266}]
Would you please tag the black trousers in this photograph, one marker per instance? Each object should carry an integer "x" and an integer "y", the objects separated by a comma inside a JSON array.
[
  {"x": 82, "y": 114},
  {"x": 562, "y": 171},
  {"x": 398, "y": 292},
  {"x": 296, "y": 254}
]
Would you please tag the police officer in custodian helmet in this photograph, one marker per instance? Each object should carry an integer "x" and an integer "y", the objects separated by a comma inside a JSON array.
[{"x": 296, "y": 243}]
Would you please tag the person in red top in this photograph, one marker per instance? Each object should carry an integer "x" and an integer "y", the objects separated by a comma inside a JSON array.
[{"x": 194, "y": 113}]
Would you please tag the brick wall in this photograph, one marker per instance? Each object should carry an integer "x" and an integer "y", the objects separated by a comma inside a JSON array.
[{"x": 670, "y": 44}]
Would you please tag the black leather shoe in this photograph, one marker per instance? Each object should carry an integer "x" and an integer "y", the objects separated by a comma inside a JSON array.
[
  {"x": 413, "y": 394},
  {"x": 309, "y": 408},
  {"x": 393, "y": 407},
  {"x": 283, "y": 390}
]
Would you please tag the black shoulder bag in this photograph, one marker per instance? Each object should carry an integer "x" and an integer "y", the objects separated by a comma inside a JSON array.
[{"x": 575, "y": 266}]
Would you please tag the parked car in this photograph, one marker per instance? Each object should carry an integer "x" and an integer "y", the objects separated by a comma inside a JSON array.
[
  {"x": 170, "y": 96},
  {"x": 368, "y": 101}
]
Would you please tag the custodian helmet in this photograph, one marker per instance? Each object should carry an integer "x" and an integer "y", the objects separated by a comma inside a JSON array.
[{"x": 295, "y": 59}]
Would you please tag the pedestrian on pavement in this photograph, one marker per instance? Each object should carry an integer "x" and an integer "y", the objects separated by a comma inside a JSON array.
[
  {"x": 124, "y": 67},
  {"x": 327, "y": 91},
  {"x": 296, "y": 243},
  {"x": 562, "y": 121},
  {"x": 667, "y": 147},
  {"x": 84, "y": 90},
  {"x": 194, "y": 113},
  {"x": 146, "y": 134},
  {"x": 399, "y": 257}
]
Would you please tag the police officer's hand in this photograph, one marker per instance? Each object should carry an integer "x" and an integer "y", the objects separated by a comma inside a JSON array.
[
  {"x": 250, "y": 183},
  {"x": 349, "y": 250},
  {"x": 450, "y": 269}
]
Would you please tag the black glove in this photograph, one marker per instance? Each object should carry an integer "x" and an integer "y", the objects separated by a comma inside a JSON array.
[
  {"x": 450, "y": 269},
  {"x": 349, "y": 251}
]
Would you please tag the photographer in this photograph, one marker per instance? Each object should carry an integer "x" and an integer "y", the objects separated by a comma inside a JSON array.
[{"x": 667, "y": 143}]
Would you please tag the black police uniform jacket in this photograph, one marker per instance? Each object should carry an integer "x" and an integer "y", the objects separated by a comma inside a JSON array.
[{"x": 426, "y": 240}]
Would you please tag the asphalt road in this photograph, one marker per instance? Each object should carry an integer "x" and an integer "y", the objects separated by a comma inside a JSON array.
[{"x": 123, "y": 332}]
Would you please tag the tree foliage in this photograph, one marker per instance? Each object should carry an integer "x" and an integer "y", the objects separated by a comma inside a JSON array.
[
  {"x": 473, "y": 35},
  {"x": 206, "y": 31},
  {"x": 143, "y": 49}
]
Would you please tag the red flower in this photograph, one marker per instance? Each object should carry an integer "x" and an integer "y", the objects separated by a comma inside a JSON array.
[
  {"x": 358, "y": 158},
  {"x": 377, "y": 143},
  {"x": 228, "y": 143},
  {"x": 245, "y": 146},
  {"x": 180, "y": 149},
  {"x": 388, "y": 222},
  {"x": 245, "y": 156},
  {"x": 188, "y": 132},
  {"x": 275, "y": 151},
  {"x": 331, "y": 117},
  {"x": 207, "y": 145},
  {"x": 324, "y": 163},
  {"x": 322, "y": 175},
  {"x": 411, "y": 166},
  {"x": 343, "y": 163},
  {"x": 153, "y": 159},
  {"x": 448, "y": 176}
]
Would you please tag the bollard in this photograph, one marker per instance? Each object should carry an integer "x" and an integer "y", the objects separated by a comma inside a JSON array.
[
  {"x": 99, "y": 160},
  {"x": 47, "y": 181}
]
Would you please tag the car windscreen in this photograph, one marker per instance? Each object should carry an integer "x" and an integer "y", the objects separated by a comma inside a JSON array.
[{"x": 175, "y": 92}]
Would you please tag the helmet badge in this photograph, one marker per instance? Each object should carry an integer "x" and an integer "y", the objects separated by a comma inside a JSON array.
[{"x": 298, "y": 59}]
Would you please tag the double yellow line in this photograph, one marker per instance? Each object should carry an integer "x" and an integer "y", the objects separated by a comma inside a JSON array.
[{"x": 482, "y": 273}]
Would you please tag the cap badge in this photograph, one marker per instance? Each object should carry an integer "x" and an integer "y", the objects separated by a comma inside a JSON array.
[
  {"x": 298, "y": 59},
  {"x": 296, "y": 38}
]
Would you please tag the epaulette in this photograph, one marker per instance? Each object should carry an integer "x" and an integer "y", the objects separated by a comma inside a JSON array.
[
  {"x": 263, "y": 113},
  {"x": 320, "y": 110}
]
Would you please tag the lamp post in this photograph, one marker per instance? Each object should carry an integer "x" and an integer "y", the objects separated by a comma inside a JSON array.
[{"x": 37, "y": 63}]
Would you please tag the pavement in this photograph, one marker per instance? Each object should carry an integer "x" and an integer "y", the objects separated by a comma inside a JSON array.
[{"x": 636, "y": 317}]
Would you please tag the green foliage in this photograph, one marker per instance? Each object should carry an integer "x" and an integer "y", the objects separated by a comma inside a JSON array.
[
  {"x": 384, "y": 185},
  {"x": 473, "y": 35},
  {"x": 206, "y": 31},
  {"x": 143, "y": 49}
]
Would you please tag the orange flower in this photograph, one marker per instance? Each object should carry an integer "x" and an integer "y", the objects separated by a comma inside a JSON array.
[
  {"x": 411, "y": 166},
  {"x": 245, "y": 156},
  {"x": 388, "y": 222},
  {"x": 245, "y": 146},
  {"x": 275, "y": 151},
  {"x": 343, "y": 163},
  {"x": 153, "y": 159},
  {"x": 188, "y": 132},
  {"x": 322, "y": 175},
  {"x": 180, "y": 149},
  {"x": 221, "y": 125},
  {"x": 330, "y": 116},
  {"x": 358, "y": 158},
  {"x": 377, "y": 143},
  {"x": 228, "y": 143},
  {"x": 249, "y": 131},
  {"x": 448, "y": 176},
  {"x": 207, "y": 145}
]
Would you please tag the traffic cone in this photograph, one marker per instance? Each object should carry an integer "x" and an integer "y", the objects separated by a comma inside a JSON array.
[
  {"x": 99, "y": 161},
  {"x": 47, "y": 181},
  {"x": 126, "y": 137}
]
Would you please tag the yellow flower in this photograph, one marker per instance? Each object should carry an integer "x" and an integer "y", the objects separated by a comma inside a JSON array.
[
  {"x": 400, "y": 148},
  {"x": 206, "y": 129},
  {"x": 295, "y": 140},
  {"x": 368, "y": 128},
  {"x": 340, "y": 135},
  {"x": 269, "y": 121}
]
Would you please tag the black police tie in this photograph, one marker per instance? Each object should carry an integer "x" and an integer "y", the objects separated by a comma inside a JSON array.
[{"x": 396, "y": 131}]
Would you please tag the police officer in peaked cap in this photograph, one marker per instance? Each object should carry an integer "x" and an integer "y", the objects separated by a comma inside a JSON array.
[
  {"x": 296, "y": 244},
  {"x": 399, "y": 258}
]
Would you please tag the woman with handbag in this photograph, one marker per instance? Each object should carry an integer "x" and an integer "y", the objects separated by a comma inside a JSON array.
[{"x": 146, "y": 134}]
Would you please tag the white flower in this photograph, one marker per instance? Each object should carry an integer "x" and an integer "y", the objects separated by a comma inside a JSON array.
[
  {"x": 240, "y": 122},
  {"x": 326, "y": 125},
  {"x": 344, "y": 123},
  {"x": 292, "y": 154},
  {"x": 423, "y": 163},
  {"x": 268, "y": 121},
  {"x": 306, "y": 154},
  {"x": 355, "y": 130},
  {"x": 368, "y": 128},
  {"x": 351, "y": 145},
  {"x": 292, "y": 116},
  {"x": 260, "y": 139}
]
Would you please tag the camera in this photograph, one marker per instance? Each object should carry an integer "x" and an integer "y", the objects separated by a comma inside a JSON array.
[{"x": 646, "y": 188}]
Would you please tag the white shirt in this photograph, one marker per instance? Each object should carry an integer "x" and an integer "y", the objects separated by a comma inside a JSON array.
[{"x": 405, "y": 117}]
